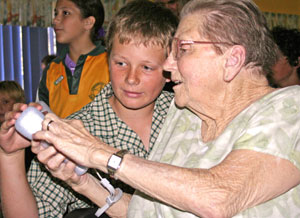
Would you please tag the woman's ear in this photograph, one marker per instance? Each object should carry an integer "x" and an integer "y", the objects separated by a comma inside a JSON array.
[
  {"x": 235, "y": 60},
  {"x": 89, "y": 22}
]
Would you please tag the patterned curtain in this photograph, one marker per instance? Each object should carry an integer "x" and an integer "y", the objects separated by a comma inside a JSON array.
[
  {"x": 111, "y": 7},
  {"x": 26, "y": 12},
  {"x": 40, "y": 12},
  {"x": 285, "y": 20}
]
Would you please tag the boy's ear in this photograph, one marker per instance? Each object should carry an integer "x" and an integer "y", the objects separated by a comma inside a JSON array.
[
  {"x": 89, "y": 22},
  {"x": 235, "y": 60}
]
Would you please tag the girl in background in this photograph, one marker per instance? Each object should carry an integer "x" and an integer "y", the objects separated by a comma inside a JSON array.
[{"x": 74, "y": 78}]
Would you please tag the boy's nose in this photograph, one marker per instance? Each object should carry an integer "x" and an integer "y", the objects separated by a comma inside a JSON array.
[{"x": 133, "y": 77}]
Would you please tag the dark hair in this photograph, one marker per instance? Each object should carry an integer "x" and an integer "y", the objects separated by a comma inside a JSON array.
[
  {"x": 288, "y": 41},
  {"x": 237, "y": 23},
  {"x": 150, "y": 22},
  {"x": 13, "y": 90},
  {"x": 47, "y": 59},
  {"x": 92, "y": 8}
]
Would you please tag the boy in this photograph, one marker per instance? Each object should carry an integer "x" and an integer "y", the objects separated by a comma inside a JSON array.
[
  {"x": 129, "y": 110},
  {"x": 10, "y": 93}
]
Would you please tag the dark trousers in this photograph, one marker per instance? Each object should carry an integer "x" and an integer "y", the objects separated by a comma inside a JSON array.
[{"x": 84, "y": 213}]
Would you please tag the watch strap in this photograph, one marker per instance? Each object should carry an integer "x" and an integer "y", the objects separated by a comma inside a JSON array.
[{"x": 121, "y": 153}]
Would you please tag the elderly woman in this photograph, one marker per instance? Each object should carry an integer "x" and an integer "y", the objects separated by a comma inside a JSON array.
[{"x": 233, "y": 150}]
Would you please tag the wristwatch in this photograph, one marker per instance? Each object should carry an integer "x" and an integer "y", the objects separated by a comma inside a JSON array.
[{"x": 114, "y": 162}]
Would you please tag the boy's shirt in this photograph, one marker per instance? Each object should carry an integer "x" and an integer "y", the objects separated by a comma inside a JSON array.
[{"x": 53, "y": 196}]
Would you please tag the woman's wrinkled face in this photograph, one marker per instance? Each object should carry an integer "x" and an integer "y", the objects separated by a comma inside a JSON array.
[{"x": 197, "y": 70}]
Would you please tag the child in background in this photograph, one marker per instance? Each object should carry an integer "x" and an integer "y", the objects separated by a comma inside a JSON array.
[
  {"x": 47, "y": 60},
  {"x": 286, "y": 72},
  {"x": 10, "y": 93},
  {"x": 44, "y": 63},
  {"x": 78, "y": 74},
  {"x": 127, "y": 114}
]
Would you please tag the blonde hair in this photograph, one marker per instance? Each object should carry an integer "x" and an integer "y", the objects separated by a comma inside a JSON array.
[{"x": 150, "y": 22}]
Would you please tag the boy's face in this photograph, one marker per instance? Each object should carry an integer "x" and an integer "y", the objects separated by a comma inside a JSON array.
[
  {"x": 136, "y": 74},
  {"x": 6, "y": 104}
]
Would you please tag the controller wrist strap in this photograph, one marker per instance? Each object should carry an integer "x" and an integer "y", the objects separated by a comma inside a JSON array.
[{"x": 115, "y": 195}]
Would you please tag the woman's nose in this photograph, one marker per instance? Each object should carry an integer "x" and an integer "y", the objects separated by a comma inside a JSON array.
[{"x": 170, "y": 64}]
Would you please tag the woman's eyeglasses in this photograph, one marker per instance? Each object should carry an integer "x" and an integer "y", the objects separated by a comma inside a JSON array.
[{"x": 179, "y": 47}]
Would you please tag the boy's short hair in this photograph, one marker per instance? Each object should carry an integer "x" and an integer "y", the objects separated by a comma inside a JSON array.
[
  {"x": 141, "y": 19},
  {"x": 13, "y": 90}
]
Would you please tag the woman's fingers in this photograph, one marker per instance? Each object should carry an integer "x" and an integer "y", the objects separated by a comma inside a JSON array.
[{"x": 58, "y": 165}]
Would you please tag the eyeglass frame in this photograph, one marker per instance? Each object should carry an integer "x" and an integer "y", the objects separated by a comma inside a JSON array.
[{"x": 189, "y": 42}]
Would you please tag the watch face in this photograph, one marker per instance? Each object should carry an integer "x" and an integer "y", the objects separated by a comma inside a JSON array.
[{"x": 114, "y": 162}]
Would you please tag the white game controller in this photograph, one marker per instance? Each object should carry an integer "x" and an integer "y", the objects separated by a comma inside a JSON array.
[{"x": 30, "y": 122}]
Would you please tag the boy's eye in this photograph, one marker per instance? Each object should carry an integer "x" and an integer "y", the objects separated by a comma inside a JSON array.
[
  {"x": 148, "y": 68},
  {"x": 120, "y": 63}
]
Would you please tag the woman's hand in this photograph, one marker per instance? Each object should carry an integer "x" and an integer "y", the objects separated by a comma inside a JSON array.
[
  {"x": 59, "y": 166},
  {"x": 72, "y": 140}
]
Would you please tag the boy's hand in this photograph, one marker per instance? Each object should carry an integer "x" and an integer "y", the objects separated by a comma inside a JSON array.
[{"x": 10, "y": 140}]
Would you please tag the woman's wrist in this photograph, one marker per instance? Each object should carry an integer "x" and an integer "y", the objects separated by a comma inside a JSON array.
[{"x": 99, "y": 159}]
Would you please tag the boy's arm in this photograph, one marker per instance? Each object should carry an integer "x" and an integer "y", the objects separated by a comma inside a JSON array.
[
  {"x": 98, "y": 194},
  {"x": 86, "y": 184},
  {"x": 16, "y": 196}
]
